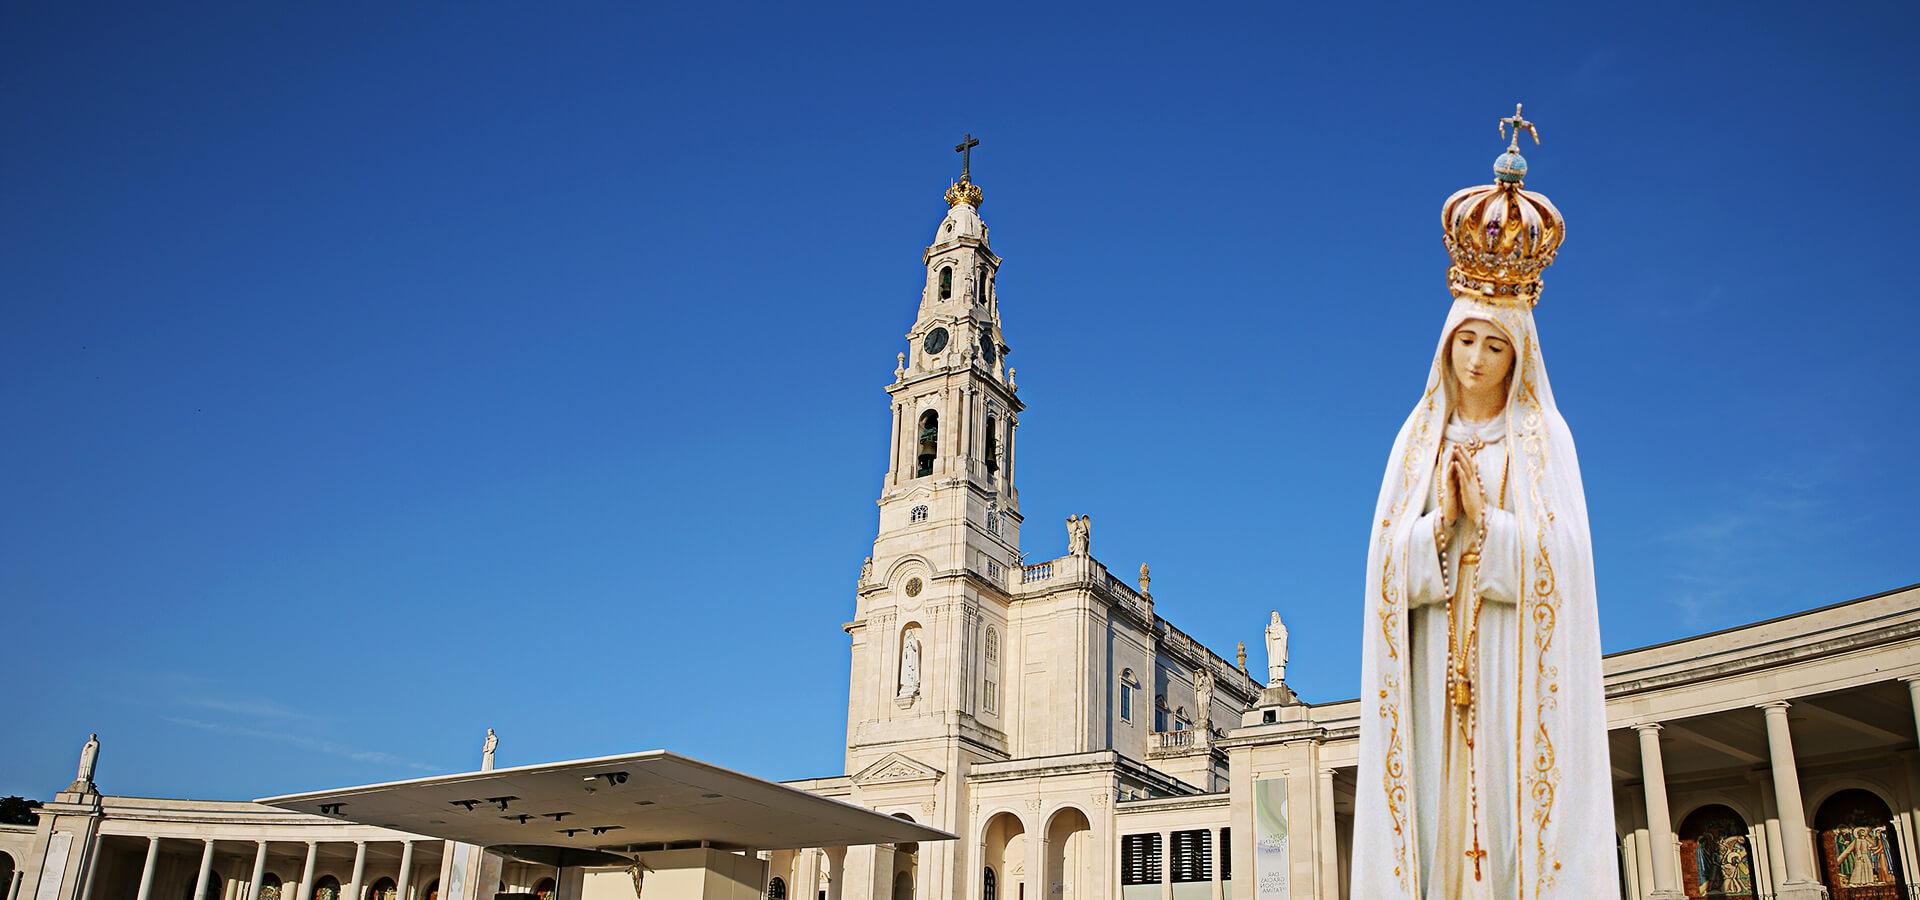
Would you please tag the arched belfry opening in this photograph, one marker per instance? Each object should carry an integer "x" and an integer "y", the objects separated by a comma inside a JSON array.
[
  {"x": 993, "y": 446},
  {"x": 946, "y": 282},
  {"x": 929, "y": 445}
]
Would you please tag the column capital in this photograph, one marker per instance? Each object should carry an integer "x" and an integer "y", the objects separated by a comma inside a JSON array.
[
  {"x": 359, "y": 843},
  {"x": 1911, "y": 679},
  {"x": 1327, "y": 771},
  {"x": 1645, "y": 727},
  {"x": 1771, "y": 705},
  {"x": 261, "y": 842},
  {"x": 313, "y": 843}
]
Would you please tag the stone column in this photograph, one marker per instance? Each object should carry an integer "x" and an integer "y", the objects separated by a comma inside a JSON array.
[
  {"x": 206, "y": 868},
  {"x": 1009, "y": 452},
  {"x": 1213, "y": 862},
  {"x": 1776, "y": 863},
  {"x": 1913, "y": 693},
  {"x": 1037, "y": 863},
  {"x": 146, "y": 872},
  {"x": 1166, "y": 865},
  {"x": 1629, "y": 872},
  {"x": 1659, "y": 820},
  {"x": 1642, "y": 848},
  {"x": 259, "y": 870},
  {"x": 306, "y": 874},
  {"x": 352, "y": 891},
  {"x": 90, "y": 860},
  {"x": 406, "y": 873},
  {"x": 1329, "y": 867},
  {"x": 1796, "y": 843}
]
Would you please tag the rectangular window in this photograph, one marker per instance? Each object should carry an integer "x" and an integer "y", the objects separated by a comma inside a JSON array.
[
  {"x": 1226, "y": 854},
  {"x": 1126, "y": 703},
  {"x": 990, "y": 697},
  {"x": 1140, "y": 859},
  {"x": 1191, "y": 850}
]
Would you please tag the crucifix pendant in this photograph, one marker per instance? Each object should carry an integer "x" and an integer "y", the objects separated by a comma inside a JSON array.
[{"x": 1476, "y": 854}]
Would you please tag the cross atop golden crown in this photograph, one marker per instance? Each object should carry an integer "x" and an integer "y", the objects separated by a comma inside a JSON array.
[
  {"x": 1499, "y": 235},
  {"x": 964, "y": 190}
]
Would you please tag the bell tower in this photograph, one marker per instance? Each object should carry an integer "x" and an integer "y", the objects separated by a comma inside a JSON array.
[{"x": 931, "y": 608}]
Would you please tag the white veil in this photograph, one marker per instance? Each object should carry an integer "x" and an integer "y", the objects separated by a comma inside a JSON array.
[{"x": 1566, "y": 845}]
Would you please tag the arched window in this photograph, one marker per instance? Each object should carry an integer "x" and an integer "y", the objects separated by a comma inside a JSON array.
[
  {"x": 990, "y": 688},
  {"x": 993, "y": 520},
  {"x": 433, "y": 889},
  {"x": 269, "y": 887},
  {"x": 946, "y": 282},
  {"x": 327, "y": 888},
  {"x": 929, "y": 447},
  {"x": 980, "y": 284},
  {"x": 777, "y": 889},
  {"x": 918, "y": 515},
  {"x": 989, "y": 890},
  {"x": 544, "y": 890},
  {"x": 384, "y": 889},
  {"x": 1127, "y": 685}
]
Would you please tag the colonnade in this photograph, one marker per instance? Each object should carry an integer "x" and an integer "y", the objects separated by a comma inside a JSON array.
[
  {"x": 349, "y": 891},
  {"x": 1652, "y": 855}
]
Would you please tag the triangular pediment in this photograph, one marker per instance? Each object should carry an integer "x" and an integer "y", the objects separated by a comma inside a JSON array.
[{"x": 895, "y": 768}]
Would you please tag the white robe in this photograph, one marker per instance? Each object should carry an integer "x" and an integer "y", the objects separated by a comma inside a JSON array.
[
  {"x": 1444, "y": 828},
  {"x": 1541, "y": 768}
]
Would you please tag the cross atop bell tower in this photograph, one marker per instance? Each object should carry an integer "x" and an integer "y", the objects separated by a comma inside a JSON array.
[{"x": 965, "y": 149}]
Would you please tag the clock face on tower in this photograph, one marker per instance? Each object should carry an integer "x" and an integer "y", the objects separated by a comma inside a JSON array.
[{"x": 936, "y": 340}]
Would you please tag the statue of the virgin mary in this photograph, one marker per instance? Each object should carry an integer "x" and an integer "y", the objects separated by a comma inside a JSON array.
[{"x": 1483, "y": 756}]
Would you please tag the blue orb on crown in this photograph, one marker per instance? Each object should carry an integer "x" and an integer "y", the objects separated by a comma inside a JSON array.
[{"x": 1510, "y": 167}]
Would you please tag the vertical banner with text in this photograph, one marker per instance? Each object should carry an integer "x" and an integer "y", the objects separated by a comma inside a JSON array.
[{"x": 1271, "y": 856}]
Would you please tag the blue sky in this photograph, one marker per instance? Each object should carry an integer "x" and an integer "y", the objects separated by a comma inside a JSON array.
[{"x": 376, "y": 375}]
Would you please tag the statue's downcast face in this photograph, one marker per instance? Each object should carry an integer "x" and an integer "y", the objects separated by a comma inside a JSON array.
[{"x": 1481, "y": 356}]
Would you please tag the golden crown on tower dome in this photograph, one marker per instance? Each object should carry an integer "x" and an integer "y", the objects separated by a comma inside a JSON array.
[
  {"x": 1499, "y": 235},
  {"x": 964, "y": 191}
]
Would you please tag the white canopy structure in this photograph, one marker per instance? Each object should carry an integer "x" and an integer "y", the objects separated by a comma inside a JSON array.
[{"x": 640, "y": 801}]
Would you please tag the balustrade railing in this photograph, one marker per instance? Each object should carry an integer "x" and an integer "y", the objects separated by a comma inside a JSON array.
[
  {"x": 1036, "y": 572},
  {"x": 1174, "y": 740}
]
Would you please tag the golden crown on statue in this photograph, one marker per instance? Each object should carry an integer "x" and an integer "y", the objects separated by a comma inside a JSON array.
[{"x": 1500, "y": 236}]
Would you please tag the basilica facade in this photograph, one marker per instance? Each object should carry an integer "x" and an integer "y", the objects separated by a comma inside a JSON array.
[{"x": 1079, "y": 745}]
